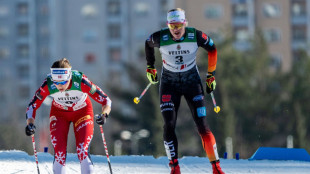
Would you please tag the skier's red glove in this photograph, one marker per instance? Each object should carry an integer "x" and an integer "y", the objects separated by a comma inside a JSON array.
[
  {"x": 210, "y": 83},
  {"x": 151, "y": 74}
]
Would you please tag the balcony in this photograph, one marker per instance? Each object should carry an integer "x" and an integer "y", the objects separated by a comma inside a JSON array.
[
  {"x": 242, "y": 45},
  {"x": 299, "y": 20},
  {"x": 299, "y": 44},
  {"x": 240, "y": 21}
]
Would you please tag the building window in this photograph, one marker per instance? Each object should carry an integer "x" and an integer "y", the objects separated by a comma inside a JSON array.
[
  {"x": 276, "y": 61},
  {"x": 22, "y": 9},
  {"x": 214, "y": 11},
  {"x": 164, "y": 4},
  {"x": 141, "y": 33},
  {"x": 240, "y": 10},
  {"x": 89, "y": 11},
  {"x": 271, "y": 10},
  {"x": 216, "y": 35},
  {"x": 242, "y": 34},
  {"x": 4, "y": 11},
  {"x": 44, "y": 10},
  {"x": 272, "y": 35},
  {"x": 22, "y": 29},
  {"x": 23, "y": 71},
  {"x": 298, "y": 8},
  {"x": 114, "y": 31},
  {"x": 90, "y": 58},
  {"x": 44, "y": 31},
  {"x": 141, "y": 9},
  {"x": 115, "y": 54},
  {"x": 4, "y": 32},
  {"x": 115, "y": 77},
  {"x": 4, "y": 53},
  {"x": 299, "y": 54},
  {"x": 114, "y": 8},
  {"x": 23, "y": 50},
  {"x": 299, "y": 33},
  {"x": 90, "y": 35},
  {"x": 44, "y": 52},
  {"x": 24, "y": 92}
]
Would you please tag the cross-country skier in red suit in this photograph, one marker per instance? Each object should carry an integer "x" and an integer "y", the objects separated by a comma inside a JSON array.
[
  {"x": 178, "y": 45},
  {"x": 71, "y": 103}
]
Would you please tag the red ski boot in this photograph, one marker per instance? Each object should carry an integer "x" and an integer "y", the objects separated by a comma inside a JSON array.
[
  {"x": 216, "y": 167},
  {"x": 174, "y": 165}
]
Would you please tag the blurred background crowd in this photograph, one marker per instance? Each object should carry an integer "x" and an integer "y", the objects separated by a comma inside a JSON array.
[{"x": 262, "y": 71}]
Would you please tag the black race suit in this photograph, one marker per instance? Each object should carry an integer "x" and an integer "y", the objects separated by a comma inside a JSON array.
[{"x": 179, "y": 81}]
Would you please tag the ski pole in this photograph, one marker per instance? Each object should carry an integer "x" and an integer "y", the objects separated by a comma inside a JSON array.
[
  {"x": 216, "y": 108},
  {"x": 105, "y": 148},
  {"x": 137, "y": 99},
  {"x": 35, "y": 152}
]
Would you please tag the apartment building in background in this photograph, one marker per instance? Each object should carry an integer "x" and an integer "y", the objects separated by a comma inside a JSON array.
[
  {"x": 285, "y": 24},
  {"x": 99, "y": 37},
  {"x": 24, "y": 52}
]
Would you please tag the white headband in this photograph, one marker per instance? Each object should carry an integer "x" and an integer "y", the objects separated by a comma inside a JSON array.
[
  {"x": 61, "y": 73},
  {"x": 176, "y": 17}
]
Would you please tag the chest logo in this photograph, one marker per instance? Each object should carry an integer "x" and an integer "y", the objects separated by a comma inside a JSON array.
[
  {"x": 76, "y": 84},
  {"x": 178, "y": 47},
  {"x": 191, "y": 35},
  {"x": 53, "y": 87},
  {"x": 165, "y": 37}
]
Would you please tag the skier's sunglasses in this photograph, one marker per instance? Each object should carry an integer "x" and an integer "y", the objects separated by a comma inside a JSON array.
[
  {"x": 60, "y": 83},
  {"x": 173, "y": 26}
]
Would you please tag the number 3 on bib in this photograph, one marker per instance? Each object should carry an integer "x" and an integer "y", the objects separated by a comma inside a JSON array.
[{"x": 179, "y": 60}]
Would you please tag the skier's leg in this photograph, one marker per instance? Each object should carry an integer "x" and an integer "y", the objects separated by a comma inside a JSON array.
[
  {"x": 84, "y": 130},
  {"x": 195, "y": 100},
  {"x": 169, "y": 105},
  {"x": 59, "y": 128}
]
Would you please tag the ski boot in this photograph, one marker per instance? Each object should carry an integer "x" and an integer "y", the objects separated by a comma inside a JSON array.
[
  {"x": 174, "y": 165},
  {"x": 216, "y": 167}
]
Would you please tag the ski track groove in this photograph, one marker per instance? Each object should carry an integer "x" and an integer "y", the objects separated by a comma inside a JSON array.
[{"x": 19, "y": 171}]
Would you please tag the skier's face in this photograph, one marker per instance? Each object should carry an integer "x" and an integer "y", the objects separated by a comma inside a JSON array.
[
  {"x": 177, "y": 30},
  {"x": 62, "y": 85}
]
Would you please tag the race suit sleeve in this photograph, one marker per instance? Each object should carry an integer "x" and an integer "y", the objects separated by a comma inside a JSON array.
[
  {"x": 206, "y": 42},
  {"x": 37, "y": 100},
  {"x": 150, "y": 44},
  {"x": 95, "y": 92}
]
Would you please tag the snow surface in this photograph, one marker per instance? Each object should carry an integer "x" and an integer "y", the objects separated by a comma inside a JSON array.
[{"x": 15, "y": 161}]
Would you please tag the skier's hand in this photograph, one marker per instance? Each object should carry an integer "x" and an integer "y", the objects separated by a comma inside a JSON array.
[
  {"x": 151, "y": 74},
  {"x": 210, "y": 83},
  {"x": 101, "y": 118},
  {"x": 30, "y": 129}
]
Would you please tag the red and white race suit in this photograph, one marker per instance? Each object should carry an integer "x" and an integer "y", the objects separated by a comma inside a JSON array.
[{"x": 72, "y": 105}]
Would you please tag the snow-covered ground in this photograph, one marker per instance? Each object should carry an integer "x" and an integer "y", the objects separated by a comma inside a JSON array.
[{"x": 14, "y": 161}]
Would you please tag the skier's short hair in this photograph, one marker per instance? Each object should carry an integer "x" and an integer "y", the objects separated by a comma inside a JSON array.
[
  {"x": 176, "y": 9},
  {"x": 61, "y": 63}
]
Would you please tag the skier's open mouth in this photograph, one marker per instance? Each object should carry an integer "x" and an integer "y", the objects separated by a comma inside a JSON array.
[{"x": 177, "y": 33}]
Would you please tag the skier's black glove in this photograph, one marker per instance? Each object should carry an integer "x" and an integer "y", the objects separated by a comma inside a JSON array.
[
  {"x": 101, "y": 118},
  {"x": 30, "y": 129}
]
